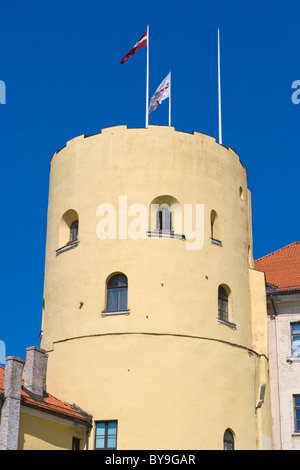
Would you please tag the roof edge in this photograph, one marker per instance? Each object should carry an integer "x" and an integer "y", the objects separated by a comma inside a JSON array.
[{"x": 276, "y": 251}]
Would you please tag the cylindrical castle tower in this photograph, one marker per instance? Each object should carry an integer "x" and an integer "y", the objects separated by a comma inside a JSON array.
[{"x": 154, "y": 318}]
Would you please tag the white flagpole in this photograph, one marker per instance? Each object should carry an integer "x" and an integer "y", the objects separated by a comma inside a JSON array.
[
  {"x": 170, "y": 102},
  {"x": 219, "y": 90},
  {"x": 147, "y": 78}
]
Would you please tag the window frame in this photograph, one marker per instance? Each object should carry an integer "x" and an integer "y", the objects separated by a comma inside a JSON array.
[
  {"x": 118, "y": 311},
  {"x": 295, "y": 408},
  {"x": 106, "y": 435},
  {"x": 228, "y": 441},
  {"x": 292, "y": 338},
  {"x": 221, "y": 316},
  {"x": 221, "y": 319},
  {"x": 66, "y": 235},
  {"x": 162, "y": 225},
  {"x": 164, "y": 220},
  {"x": 74, "y": 231},
  {"x": 119, "y": 289}
]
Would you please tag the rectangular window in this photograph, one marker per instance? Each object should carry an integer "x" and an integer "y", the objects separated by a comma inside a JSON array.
[
  {"x": 75, "y": 443},
  {"x": 297, "y": 412},
  {"x": 295, "y": 339},
  {"x": 106, "y": 435}
]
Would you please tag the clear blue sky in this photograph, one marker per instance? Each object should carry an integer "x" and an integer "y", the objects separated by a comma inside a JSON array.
[{"x": 60, "y": 61}]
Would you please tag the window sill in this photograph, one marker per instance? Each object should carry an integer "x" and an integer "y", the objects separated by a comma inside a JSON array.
[
  {"x": 227, "y": 323},
  {"x": 213, "y": 241},
  {"x": 67, "y": 247},
  {"x": 165, "y": 234},
  {"x": 293, "y": 359},
  {"x": 105, "y": 313}
]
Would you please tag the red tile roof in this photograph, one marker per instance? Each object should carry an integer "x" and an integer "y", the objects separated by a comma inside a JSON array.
[
  {"x": 282, "y": 267},
  {"x": 49, "y": 404}
]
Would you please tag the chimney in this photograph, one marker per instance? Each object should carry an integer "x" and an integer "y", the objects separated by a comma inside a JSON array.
[
  {"x": 36, "y": 371},
  {"x": 10, "y": 414}
]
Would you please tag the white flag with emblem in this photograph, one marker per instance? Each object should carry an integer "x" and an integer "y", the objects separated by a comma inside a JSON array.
[{"x": 162, "y": 92}]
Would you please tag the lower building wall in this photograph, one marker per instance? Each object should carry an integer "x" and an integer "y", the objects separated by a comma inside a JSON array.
[
  {"x": 165, "y": 391},
  {"x": 41, "y": 431},
  {"x": 284, "y": 373}
]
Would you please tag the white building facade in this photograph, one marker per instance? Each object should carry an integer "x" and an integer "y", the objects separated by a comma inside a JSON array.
[{"x": 282, "y": 271}]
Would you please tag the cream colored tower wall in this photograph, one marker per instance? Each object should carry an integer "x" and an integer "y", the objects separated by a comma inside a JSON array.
[
  {"x": 166, "y": 392},
  {"x": 172, "y": 328}
]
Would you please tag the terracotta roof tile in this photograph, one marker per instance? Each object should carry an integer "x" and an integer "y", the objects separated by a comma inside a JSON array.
[
  {"x": 49, "y": 404},
  {"x": 282, "y": 267}
]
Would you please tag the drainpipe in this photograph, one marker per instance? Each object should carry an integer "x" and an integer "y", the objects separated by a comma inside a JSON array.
[
  {"x": 278, "y": 368},
  {"x": 273, "y": 304}
]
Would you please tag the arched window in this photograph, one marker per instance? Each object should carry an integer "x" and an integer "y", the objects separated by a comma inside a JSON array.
[
  {"x": 214, "y": 229},
  {"x": 74, "y": 231},
  {"x": 213, "y": 222},
  {"x": 228, "y": 440},
  {"x": 163, "y": 220},
  {"x": 117, "y": 289},
  {"x": 222, "y": 304},
  {"x": 68, "y": 231}
]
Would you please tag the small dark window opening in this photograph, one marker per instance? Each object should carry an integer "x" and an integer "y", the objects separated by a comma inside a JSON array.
[
  {"x": 228, "y": 440},
  {"x": 160, "y": 220},
  {"x": 223, "y": 304},
  {"x": 117, "y": 290},
  {"x": 75, "y": 443},
  {"x": 74, "y": 231}
]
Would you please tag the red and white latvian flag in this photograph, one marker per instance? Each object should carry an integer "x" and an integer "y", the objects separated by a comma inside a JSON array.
[
  {"x": 141, "y": 43},
  {"x": 162, "y": 92}
]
